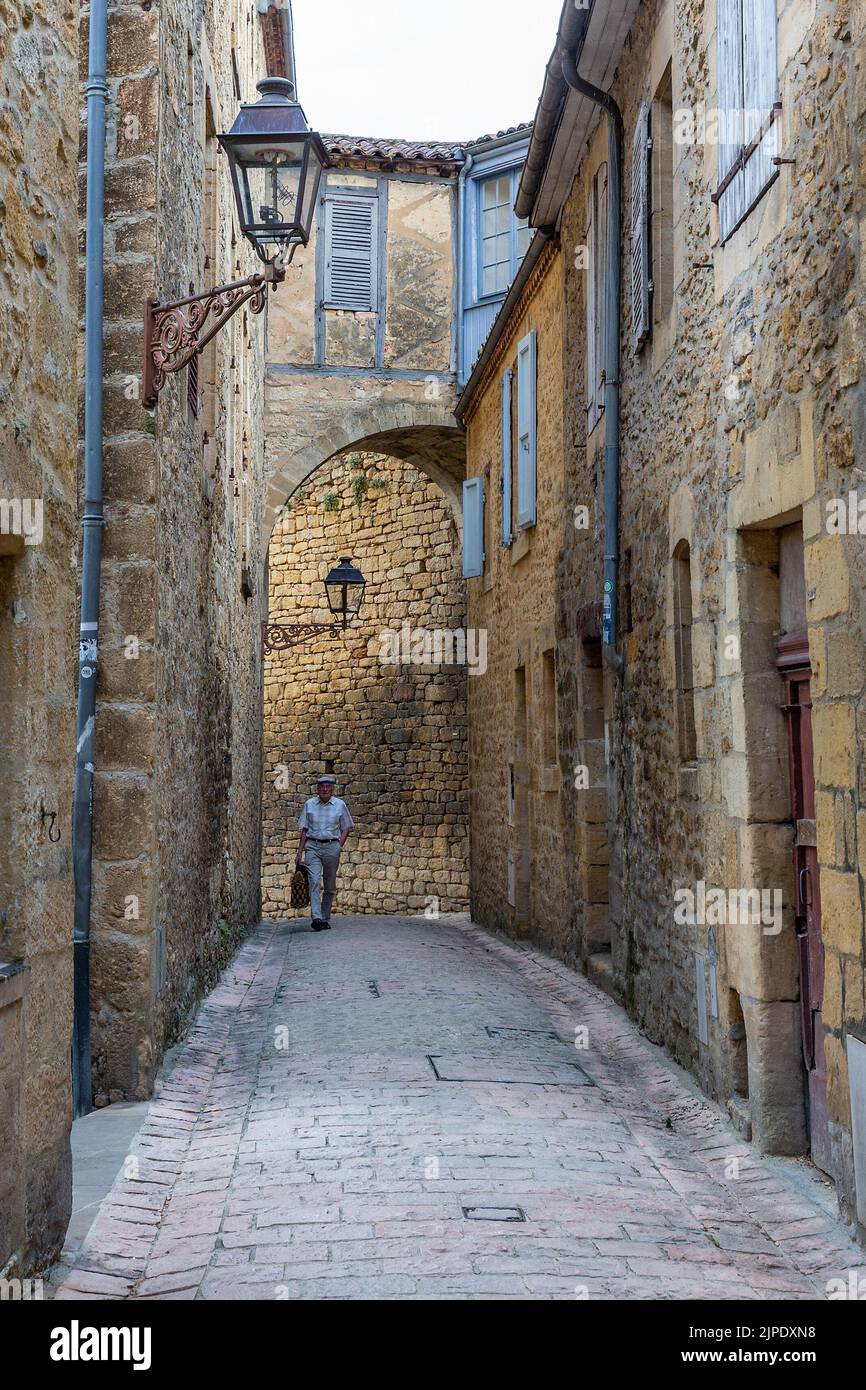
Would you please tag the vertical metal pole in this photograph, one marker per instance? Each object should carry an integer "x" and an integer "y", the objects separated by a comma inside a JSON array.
[
  {"x": 612, "y": 357},
  {"x": 91, "y": 559}
]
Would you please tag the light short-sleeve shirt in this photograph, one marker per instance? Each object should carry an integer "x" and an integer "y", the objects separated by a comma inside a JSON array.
[{"x": 325, "y": 820}]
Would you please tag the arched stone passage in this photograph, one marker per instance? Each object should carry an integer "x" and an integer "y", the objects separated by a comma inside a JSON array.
[
  {"x": 423, "y": 433},
  {"x": 386, "y": 716}
]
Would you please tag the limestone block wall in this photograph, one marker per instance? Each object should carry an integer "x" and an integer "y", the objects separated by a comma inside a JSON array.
[
  {"x": 395, "y": 733},
  {"x": 38, "y": 627},
  {"x": 515, "y": 729},
  {"x": 179, "y": 717},
  {"x": 742, "y": 412}
]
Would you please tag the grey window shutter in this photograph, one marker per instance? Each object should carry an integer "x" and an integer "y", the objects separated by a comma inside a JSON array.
[
  {"x": 506, "y": 458},
  {"x": 640, "y": 230},
  {"x": 351, "y": 226},
  {"x": 729, "y": 62},
  {"x": 526, "y": 430},
  {"x": 473, "y": 528},
  {"x": 760, "y": 89}
]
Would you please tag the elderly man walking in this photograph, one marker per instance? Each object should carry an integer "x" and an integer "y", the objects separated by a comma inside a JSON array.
[{"x": 325, "y": 823}]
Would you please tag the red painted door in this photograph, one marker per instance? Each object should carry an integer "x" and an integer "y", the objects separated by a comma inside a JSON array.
[{"x": 797, "y": 674}]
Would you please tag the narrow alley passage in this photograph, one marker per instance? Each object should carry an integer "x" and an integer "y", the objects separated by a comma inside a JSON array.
[{"x": 398, "y": 1109}]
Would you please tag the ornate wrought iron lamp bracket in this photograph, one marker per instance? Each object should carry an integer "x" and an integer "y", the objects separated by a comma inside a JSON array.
[
  {"x": 280, "y": 637},
  {"x": 174, "y": 333}
]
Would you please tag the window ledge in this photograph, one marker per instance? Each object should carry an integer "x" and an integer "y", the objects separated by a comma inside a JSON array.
[
  {"x": 521, "y": 546},
  {"x": 13, "y": 982}
]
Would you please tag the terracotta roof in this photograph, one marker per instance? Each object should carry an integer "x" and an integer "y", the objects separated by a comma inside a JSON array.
[
  {"x": 410, "y": 151},
  {"x": 500, "y": 134},
  {"x": 392, "y": 151}
]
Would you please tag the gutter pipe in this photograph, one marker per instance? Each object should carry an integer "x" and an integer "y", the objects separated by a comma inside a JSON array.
[
  {"x": 91, "y": 561},
  {"x": 461, "y": 237},
  {"x": 612, "y": 354}
]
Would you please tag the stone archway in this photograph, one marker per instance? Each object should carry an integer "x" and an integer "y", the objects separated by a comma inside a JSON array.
[
  {"x": 389, "y": 720},
  {"x": 304, "y": 435}
]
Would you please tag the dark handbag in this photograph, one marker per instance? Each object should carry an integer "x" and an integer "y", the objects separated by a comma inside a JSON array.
[{"x": 300, "y": 887}]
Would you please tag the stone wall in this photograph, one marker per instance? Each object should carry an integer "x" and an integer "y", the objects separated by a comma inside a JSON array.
[
  {"x": 740, "y": 420},
  {"x": 179, "y": 716},
  {"x": 394, "y": 733},
  {"x": 514, "y": 603},
  {"x": 38, "y": 539}
]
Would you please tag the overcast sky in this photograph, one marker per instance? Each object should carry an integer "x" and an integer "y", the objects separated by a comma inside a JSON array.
[{"x": 446, "y": 70}]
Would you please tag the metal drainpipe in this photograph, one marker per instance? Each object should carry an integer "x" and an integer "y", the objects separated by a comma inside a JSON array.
[
  {"x": 461, "y": 236},
  {"x": 612, "y": 355},
  {"x": 91, "y": 561}
]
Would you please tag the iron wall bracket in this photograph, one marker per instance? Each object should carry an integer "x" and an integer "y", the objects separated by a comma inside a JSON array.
[
  {"x": 174, "y": 333},
  {"x": 280, "y": 637}
]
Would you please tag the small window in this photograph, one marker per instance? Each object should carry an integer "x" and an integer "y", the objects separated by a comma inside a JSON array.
[
  {"x": 351, "y": 265},
  {"x": 551, "y": 741},
  {"x": 662, "y": 200},
  {"x": 682, "y": 581},
  {"x": 504, "y": 237}
]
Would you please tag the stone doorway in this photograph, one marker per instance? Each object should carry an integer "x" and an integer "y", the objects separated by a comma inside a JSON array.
[{"x": 369, "y": 705}]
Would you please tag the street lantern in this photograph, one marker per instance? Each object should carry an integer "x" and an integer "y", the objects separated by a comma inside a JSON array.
[
  {"x": 276, "y": 164},
  {"x": 345, "y": 589}
]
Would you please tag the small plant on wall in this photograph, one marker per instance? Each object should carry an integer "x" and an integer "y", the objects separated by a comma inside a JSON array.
[
  {"x": 359, "y": 484},
  {"x": 330, "y": 502}
]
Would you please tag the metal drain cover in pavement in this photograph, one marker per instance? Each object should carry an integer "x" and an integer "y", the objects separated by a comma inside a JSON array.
[
  {"x": 520, "y": 1034},
  {"x": 508, "y": 1072},
  {"x": 494, "y": 1213}
]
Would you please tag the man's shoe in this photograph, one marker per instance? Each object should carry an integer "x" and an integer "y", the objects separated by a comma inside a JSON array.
[
  {"x": 318, "y": 925},
  {"x": 326, "y": 926}
]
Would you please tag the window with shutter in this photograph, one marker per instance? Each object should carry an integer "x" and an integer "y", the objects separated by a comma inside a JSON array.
[
  {"x": 640, "y": 230},
  {"x": 747, "y": 107},
  {"x": 505, "y": 480},
  {"x": 526, "y": 430},
  {"x": 662, "y": 198},
  {"x": 596, "y": 297},
  {"x": 473, "y": 528},
  {"x": 351, "y": 280}
]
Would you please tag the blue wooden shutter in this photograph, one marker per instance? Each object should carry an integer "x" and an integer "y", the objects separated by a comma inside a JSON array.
[
  {"x": 505, "y": 482},
  {"x": 729, "y": 62},
  {"x": 351, "y": 259},
  {"x": 640, "y": 225},
  {"x": 473, "y": 528},
  {"x": 526, "y": 430}
]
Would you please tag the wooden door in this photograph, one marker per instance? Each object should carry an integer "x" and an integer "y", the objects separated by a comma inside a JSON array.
[{"x": 797, "y": 675}]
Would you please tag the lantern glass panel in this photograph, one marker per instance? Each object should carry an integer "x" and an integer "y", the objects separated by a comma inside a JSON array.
[{"x": 270, "y": 178}]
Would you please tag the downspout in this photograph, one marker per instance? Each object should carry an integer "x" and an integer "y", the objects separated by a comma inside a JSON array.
[
  {"x": 91, "y": 560},
  {"x": 461, "y": 236},
  {"x": 612, "y": 355}
]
